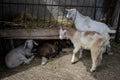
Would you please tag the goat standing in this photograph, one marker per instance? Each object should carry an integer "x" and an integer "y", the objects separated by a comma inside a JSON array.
[
  {"x": 86, "y": 40},
  {"x": 85, "y": 23}
]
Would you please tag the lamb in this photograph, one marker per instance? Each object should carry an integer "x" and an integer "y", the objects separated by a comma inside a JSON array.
[
  {"x": 90, "y": 40},
  {"x": 19, "y": 55},
  {"x": 47, "y": 51}
]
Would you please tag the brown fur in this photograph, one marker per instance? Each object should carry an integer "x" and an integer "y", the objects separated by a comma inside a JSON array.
[
  {"x": 98, "y": 42},
  {"x": 70, "y": 31},
  {"x": 90, "y": 33},
  {"x": 47, "y": 50},
  {"x": 94, "y": 44},
  {"x": 96, "y": 53}
]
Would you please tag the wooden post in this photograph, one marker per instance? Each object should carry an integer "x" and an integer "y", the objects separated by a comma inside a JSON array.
[
  {"x": 12, "y": 43},
  {"x": 116, "y": 15},
  {"x": 95, "y": 9}
]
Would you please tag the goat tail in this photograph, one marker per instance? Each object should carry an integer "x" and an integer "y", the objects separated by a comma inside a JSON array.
[{"x": 112, "y": 31}]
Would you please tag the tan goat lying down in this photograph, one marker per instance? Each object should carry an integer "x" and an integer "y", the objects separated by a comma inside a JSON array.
[{"x": 90, "y": 40}]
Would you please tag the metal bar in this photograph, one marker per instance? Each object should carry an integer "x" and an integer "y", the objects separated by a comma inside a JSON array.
[
  {"x": 52, "y": 5},
  {"x": 117, "y": 31},
  {"x": 32, "y": 8},
  {"x": 50, "y": 15},
  {"x": 2, "y": 10},
  {"x": 38, "y": 13},
  {"x": 24, "y": 13},
  {"x": 95, "y": 10},
  {"x": 1, "y": 47},
  {"x": 63, "y": 12},
  {"x": 71, "y": 3},
  {"x": 12, "y": 43},
  {"x": 58, "y": 9},
  {"x": 45, "y": 12},
  {"x": 9, "y": 8}
]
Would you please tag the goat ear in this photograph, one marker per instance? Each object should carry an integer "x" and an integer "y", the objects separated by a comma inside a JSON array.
[
  {"x": 35, "y": 43},
  {"x": 65, "y": 31},
  {"x": 25, "y": 44}
]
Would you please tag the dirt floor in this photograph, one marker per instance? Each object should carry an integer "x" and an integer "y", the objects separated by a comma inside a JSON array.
[{"x": 60, "y": 68}]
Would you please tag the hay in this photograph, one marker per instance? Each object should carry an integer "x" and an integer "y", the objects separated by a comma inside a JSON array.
[
  {"x": 60, "y": 68},
  {"x": 26, "y": 20}
]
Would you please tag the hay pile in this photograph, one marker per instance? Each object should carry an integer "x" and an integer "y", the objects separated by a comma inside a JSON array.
[{"x": 27, "y": 20}]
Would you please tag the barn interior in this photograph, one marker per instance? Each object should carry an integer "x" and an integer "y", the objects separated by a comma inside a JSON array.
[{"x": 40, "y": 20}]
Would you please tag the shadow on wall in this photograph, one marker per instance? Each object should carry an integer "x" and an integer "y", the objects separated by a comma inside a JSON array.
[{"x": 9, "y": 11}]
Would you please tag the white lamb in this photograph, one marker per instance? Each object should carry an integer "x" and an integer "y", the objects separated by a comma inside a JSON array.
[
  {"x": 90, "y": 40},
  {"x": 18, "y": 55}
]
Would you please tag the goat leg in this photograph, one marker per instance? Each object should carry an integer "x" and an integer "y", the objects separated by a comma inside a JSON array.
[
  {"x": 94, "y": 60},
  {"x": 27, "y": 61},
  {"x": 74, "y": 53},
  {"x": 109, "y": 51},
  {"x": 80, "y": 55},
  {"x": 44, "y": 60}
]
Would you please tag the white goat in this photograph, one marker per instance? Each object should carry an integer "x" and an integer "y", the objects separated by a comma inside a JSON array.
[
  {"x": 90, "y": 40},
  {"x": 18, "y": 55},
  {"x": 85, "y": 23}
]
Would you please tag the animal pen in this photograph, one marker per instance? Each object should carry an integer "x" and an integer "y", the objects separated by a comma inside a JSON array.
[{"x": 41, "y": 19}]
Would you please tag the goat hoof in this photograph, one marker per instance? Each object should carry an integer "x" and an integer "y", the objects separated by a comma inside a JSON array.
[
  {"x": 32, "y": 56},
  {"x": 43, "y": 63},
  {"x": 92, "y": 70},
  {"x": 27, "y": 62},
  {"x": 72, "y": 62},
  {"x": 110, "y": 53}
]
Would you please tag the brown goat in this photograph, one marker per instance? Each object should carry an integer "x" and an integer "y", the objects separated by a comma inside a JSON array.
[{"x": 47, "y": 50}]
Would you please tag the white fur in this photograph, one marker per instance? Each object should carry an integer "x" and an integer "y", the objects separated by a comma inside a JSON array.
[
  {"x": 18, "y": 55},
  {"x": 95, "y": 43},
  {"x": 85, "y": 23}
]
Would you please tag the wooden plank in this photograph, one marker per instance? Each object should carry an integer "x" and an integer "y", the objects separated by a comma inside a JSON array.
[
  {"x": 45, "y": 38},
  {"x": 116, "y": 15},
  {"x": 29, "y": 34}
]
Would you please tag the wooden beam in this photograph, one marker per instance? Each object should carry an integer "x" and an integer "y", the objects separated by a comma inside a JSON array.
[{"x": 29, "y": 34}]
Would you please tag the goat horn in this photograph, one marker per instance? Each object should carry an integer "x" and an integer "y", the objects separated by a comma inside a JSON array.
[{"x": 66, "y": 9}]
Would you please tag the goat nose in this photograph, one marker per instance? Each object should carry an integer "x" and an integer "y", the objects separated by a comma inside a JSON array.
[
  {"x": 68, "y": 18},
  {"x": 60, "y": 37}
]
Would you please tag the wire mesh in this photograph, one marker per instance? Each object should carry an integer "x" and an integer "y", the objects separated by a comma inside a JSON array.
[{"x": 45, "y": 11}]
